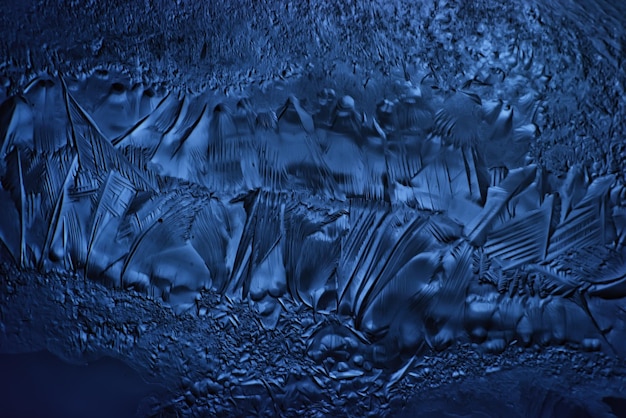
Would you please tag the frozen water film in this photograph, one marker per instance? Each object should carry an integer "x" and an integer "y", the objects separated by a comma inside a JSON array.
[{"x": 344, "y": 235}]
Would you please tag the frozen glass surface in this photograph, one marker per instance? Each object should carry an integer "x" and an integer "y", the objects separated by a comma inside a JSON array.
[{"x": 435, "y": 193}]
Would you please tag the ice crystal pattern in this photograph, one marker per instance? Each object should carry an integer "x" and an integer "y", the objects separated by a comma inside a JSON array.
[{"x": 421, "y": 225}]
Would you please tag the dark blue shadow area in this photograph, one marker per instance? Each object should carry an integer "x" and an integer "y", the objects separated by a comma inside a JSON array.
[{"x": 41, "y": 385}]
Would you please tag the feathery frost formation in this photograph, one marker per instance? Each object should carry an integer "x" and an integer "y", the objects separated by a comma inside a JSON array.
[{"x": 423, "y": 224}]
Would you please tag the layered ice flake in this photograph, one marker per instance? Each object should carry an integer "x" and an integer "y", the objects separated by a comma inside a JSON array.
[{"x": 423, "y": 225}]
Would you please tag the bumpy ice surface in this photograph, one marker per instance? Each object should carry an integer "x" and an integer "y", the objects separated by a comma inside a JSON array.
[{"x": 282, "y": 246}]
